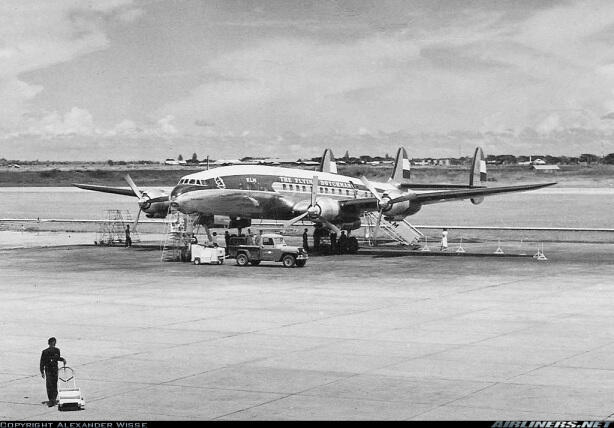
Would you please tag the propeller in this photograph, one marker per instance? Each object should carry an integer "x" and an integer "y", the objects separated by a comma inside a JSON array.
[
  {"x": 313, "y": 212},
  {"x": 144, "y": 200}
]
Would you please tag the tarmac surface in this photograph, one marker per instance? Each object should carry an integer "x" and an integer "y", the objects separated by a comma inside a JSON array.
[{"x": 381, "y": 335}]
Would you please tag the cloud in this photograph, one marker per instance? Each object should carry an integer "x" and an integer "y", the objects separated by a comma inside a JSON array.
[
  {"x": 471, "y": 68},
  {"x": 36, "y": 34}
]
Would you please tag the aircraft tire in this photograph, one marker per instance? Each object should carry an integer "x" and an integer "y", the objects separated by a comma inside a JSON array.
[
  {"x": 197, "y": 261},
  {"x": 288, "y": 260}
]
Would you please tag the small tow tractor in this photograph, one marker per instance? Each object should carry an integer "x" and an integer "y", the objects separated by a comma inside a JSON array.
[
  {"x": 69, "y": 395},
  {"x": 209, "y": 254}
]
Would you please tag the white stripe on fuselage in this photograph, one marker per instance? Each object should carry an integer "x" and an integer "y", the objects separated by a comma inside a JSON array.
[{"x": 305, "y": 176}]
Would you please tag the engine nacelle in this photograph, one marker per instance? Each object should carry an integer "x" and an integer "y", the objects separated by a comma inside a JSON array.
[
  {"x": 157, "y": 210},
  {"x": 399, "y": 208},
  {"x": 328, "y": 208},
  {"x": 350, "y": 225},
  {"x": 413, "y": 209}
]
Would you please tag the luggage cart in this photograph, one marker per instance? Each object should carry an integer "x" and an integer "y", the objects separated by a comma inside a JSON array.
[{"x": 69, "y": 395}]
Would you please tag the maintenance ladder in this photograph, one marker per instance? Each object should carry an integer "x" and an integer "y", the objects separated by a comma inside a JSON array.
[
  {"x": 113, "y": 230},
  {"x": 176, "y": 237}
]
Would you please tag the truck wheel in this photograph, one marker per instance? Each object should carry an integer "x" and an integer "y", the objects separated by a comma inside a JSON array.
[
  {"x": 197, "y": 261},
  {"x": 255, "y": 262},
  {"x": 288, "y": 260},
  {"x": 301, "y": 263},
  {"x": 242, "y": 259},
  {"x": 221, "y": 261}
]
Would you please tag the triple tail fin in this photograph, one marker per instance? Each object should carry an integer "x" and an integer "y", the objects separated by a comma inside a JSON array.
[
  {"x": 328, "y": 164},
  {"x": 401, "y": 171},
  {"x": 477, "y": 174}
]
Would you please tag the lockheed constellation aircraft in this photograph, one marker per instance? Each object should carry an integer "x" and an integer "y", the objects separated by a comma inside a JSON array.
[{"x": 333, "y": 201}]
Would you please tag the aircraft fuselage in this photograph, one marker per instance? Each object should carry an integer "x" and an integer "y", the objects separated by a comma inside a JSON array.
[{"x": 247, "y": 191}]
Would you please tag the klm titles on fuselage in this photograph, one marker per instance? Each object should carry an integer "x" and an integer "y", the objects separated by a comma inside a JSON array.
[{"x": 328, "y": 183}]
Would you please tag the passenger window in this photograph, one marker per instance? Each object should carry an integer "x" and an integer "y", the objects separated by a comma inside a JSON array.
[
  {"x": 284, "y": 186},
  {"x": 326, "y": 190},
  {"x": 291, "y": 187},
  {"x": 347, "y": 192},
  {"x": 304, "y": 189}
]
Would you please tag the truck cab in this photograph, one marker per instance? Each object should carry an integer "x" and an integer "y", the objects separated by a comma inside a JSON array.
[{"x": 272, "y": 248}]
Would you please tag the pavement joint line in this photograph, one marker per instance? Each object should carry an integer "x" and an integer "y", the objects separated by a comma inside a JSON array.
[{"x": 557, "y": 416}]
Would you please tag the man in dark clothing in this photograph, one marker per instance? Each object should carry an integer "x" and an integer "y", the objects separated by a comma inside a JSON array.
[
  {"x": 342, "y": 243},
  {"x": 305, "y": 240},
  {"x": 226, "y": 241},
  {"x": 333, "y": 242},
  {"x": 49, "y": 370},
  {"x": 128, "y": 238}
]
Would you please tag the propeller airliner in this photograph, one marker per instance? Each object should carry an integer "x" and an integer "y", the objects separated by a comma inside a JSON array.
[{"x": 333, "y": 201}]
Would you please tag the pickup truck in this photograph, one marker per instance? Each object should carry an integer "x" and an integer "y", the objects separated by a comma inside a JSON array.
[{"x": 273, "y": 248}]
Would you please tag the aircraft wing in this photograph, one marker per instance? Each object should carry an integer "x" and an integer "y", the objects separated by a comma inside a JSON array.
[
  {"x": 106, "y": 189},
  {"x": 435, "y": 196},
  {"x": 436, "y": 186}
]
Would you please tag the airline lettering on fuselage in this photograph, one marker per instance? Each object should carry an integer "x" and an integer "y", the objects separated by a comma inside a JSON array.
[{"x": 328, "y": 183}]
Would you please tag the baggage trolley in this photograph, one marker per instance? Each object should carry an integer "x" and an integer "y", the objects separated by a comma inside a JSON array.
[{"x": 69, "y": 395}]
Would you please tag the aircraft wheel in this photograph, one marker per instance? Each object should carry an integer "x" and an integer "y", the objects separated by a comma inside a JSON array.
[
  {"x": 288, "y": 260},
  {"x": 242, "y": 259},
  {"x": 197, "y": 261}
]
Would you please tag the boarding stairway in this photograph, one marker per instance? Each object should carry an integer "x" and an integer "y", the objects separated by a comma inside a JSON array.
[
  {"x": 399, "y": 231},
  {"x": 176, "y": 236},
  {"x": 113, "y": 230}
]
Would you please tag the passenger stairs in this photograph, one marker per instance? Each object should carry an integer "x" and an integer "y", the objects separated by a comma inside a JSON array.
[
  {"x": 176, "y": 237},
  {"x": 399, "y": 231}
]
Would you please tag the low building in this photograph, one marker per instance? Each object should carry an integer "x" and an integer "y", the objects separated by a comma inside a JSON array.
[{"x": 546, "y": 169}]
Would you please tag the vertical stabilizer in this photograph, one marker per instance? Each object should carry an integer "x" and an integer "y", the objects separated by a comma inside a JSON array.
[
  {"x": 401, "y": 170},
  {"x": 477, "y": 174},
  {"x": 328, "y": 164}
]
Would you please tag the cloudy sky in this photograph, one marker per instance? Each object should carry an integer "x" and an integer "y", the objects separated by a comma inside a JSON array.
[{"x": 145, "y": 79}]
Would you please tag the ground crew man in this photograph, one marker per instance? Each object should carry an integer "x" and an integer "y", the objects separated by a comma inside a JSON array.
[
  {"x": 49, "y": 370},
  {"x": 305, "y": 240},
  {"x": 259, "y": 239},
  {"x": 128, "y": 238},
  {"x": 227, "y": 241},
  {"x": 250, "y": 237},
  {"x": 342, "y": 243},
  {"x": 333, "y": 242}
]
